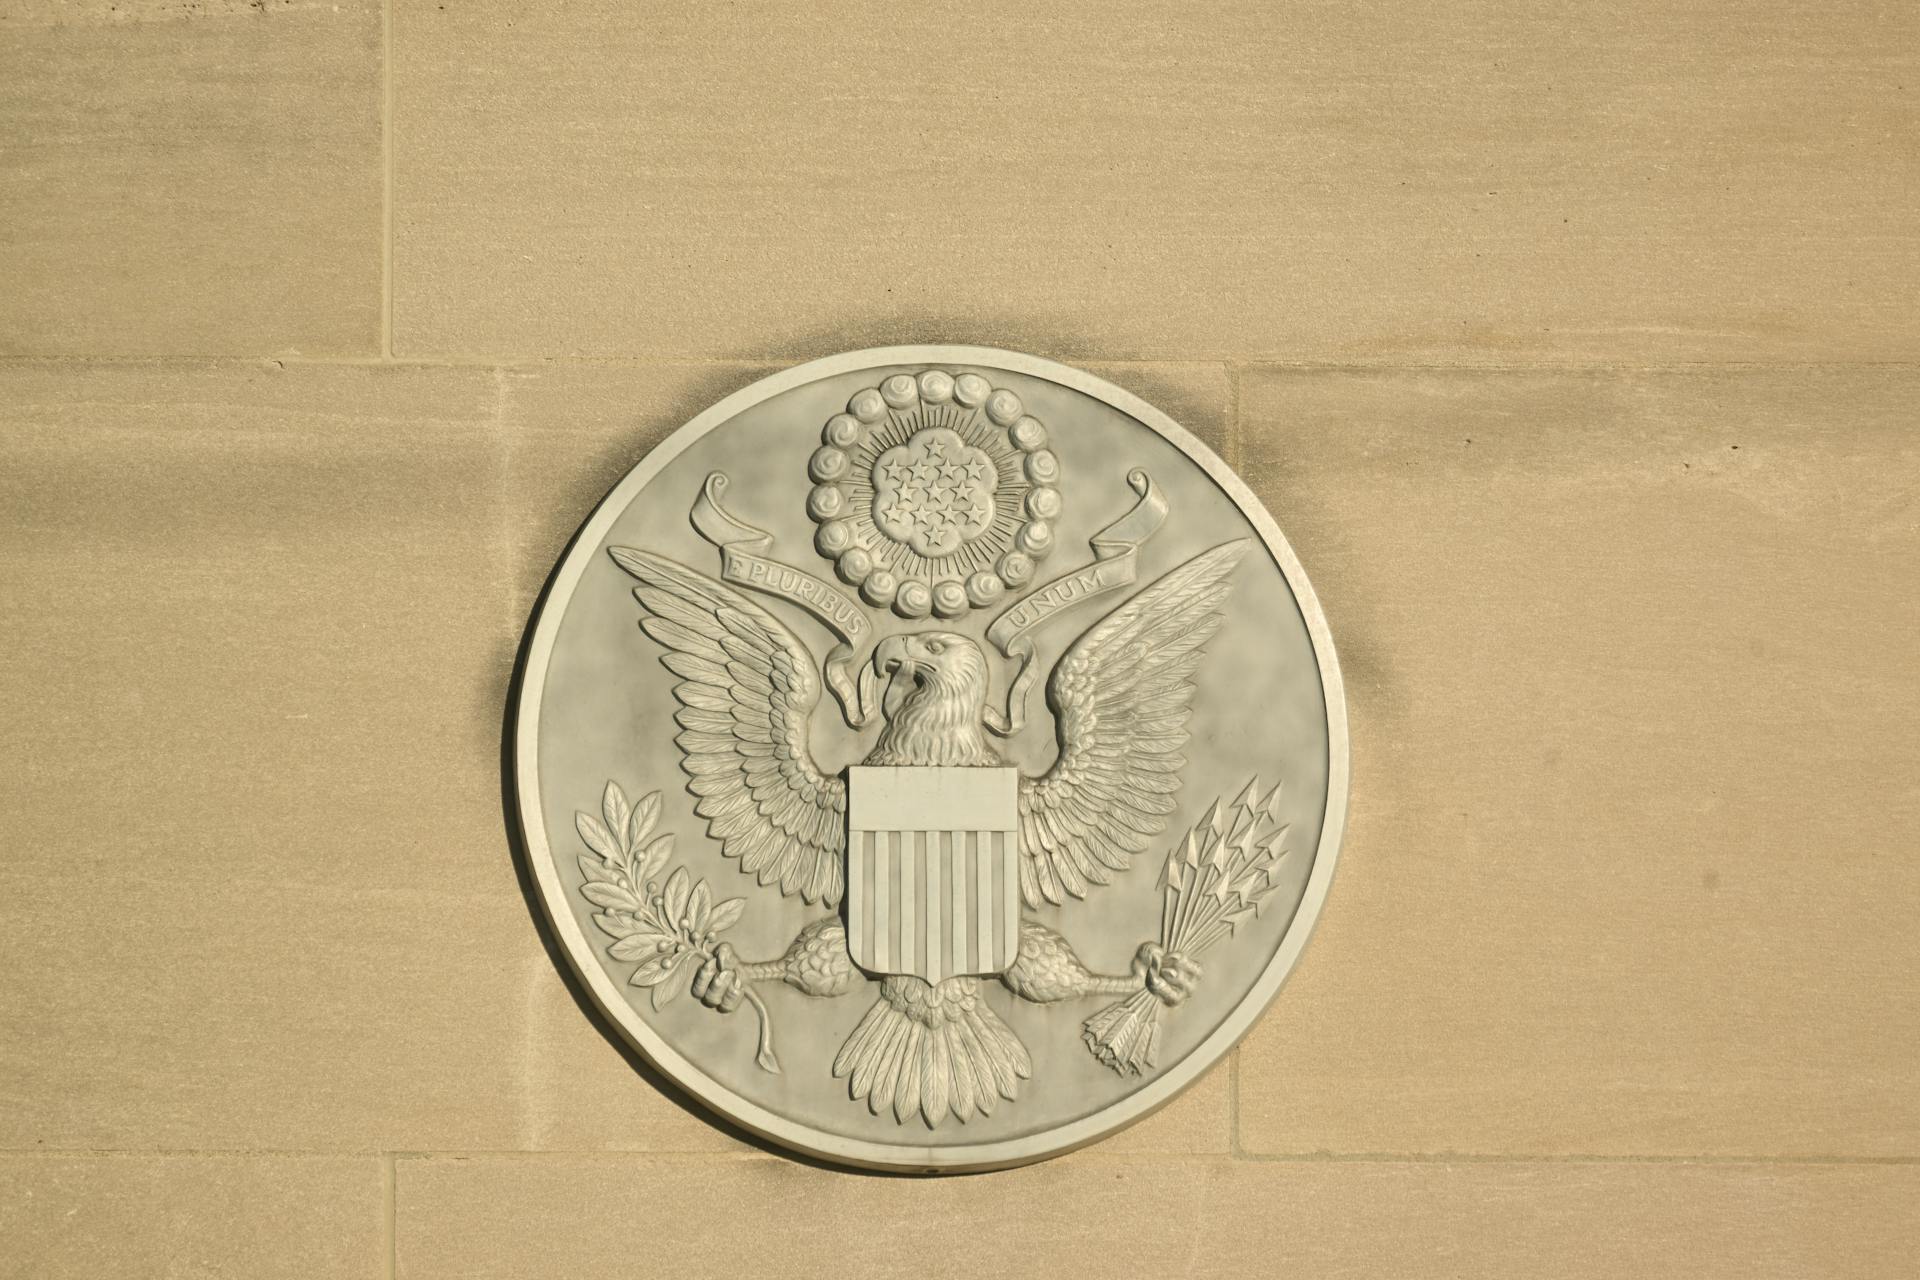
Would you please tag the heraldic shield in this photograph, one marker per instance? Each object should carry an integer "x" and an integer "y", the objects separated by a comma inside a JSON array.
[{"x": 933, "y": 881}]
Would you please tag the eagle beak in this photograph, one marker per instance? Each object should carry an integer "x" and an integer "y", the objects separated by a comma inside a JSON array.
[
  {"x": 892, "y": 663},
  {"x": 888, "y": 654}
]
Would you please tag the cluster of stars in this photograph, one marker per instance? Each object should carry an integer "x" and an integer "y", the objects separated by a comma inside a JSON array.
[
  {"x": 950, "y": 515},
  {"x": 934, "y": 493}
]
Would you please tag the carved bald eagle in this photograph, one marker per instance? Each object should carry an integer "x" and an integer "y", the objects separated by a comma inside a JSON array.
[{"x": 1121, "y": 698}]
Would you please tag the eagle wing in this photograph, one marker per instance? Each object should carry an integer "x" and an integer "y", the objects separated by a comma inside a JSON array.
[
  {"x": 1121, "y": 697},
  {"x": 747, "y": 692}
]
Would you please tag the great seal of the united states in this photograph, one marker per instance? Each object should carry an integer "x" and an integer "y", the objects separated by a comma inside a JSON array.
[{"x": 930, "y": 758}]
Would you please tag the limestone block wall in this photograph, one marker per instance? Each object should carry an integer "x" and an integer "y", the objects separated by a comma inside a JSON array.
[{"x": 1574, "y": 348}]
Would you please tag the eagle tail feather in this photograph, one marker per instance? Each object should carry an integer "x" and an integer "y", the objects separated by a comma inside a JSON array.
[{"x": 933, "y": 1051}]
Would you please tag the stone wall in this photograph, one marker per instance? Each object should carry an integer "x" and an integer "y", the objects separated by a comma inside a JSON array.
[{"x": 1574, "y": 348}]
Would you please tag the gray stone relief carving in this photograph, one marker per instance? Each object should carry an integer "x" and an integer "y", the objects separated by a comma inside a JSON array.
[{"x": 967, "y": 877}]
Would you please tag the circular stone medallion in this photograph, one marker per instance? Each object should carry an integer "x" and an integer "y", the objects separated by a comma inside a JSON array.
[{"x": 931, "y": 758}]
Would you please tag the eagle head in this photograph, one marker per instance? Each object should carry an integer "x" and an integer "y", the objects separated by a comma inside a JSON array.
[{"x": 934, "y": 701}]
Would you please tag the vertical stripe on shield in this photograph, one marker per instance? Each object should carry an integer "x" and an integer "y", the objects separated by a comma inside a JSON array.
[
  {"x": 935, "y": 903},
  {"x": 882, "y": 901},
  {"x": 953, "y": 855},
  {"x": 981, "y": 842},
  {"x": 933, "y": 959},
  {"x": 907, "y": 936}
]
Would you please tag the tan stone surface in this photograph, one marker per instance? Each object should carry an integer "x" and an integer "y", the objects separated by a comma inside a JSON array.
[
  {"x": 1098, "y": 1216},
  {"x": 1197, "y": 396},
  {"x": 586, "y": 1091},
  {"x": 257, "y": 890},
  {"x": 190, "y": 178},
  {"x": 1495, "y": 180},
  {"x": 1631, "y": 666},
  {"x": 1197, "y": 1122},
  {"x": 1630, "y": 863},
  {"x": 573, "y": 431},
  {"x": 201, "y": 1216}
]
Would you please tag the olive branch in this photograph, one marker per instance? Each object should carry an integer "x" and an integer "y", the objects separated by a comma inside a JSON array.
[
  {"x": 671, "y": 928},
  {"x": 1214, "y": 881}
]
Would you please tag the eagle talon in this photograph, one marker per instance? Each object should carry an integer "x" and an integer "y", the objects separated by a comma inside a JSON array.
[
  {"x": 1170, "y": 976},
  {"x": 717, "y": 984}
]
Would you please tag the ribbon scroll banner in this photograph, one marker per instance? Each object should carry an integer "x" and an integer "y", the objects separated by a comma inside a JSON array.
[
  {"x": 1116, "y": 552},
  {"x": 744, "y": 562}
]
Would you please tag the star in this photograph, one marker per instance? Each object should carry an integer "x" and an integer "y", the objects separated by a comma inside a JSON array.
[{"x": 933, "y": 492}]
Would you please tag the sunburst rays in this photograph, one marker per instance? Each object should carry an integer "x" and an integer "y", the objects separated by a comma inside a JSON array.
[{"x": 975, "y": 554}]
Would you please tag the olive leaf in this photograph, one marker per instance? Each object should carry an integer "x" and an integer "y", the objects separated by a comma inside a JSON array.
[
  {"x": 638, "y": 943},
  {"x": 657, "y": 970},
  {"x": 675, "y": 982},
  {"x": 676, "y": 896},
  {"x": 640, "y": 825},
  {"x": 668, "y": 931},
  {"x": 654, "y": 857},
  {"x": 616, "y": 926},
  {"x": 610, "y": 896},
  {"x": 613, "y": 806},
  {"x": 598, "y": 838}
]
